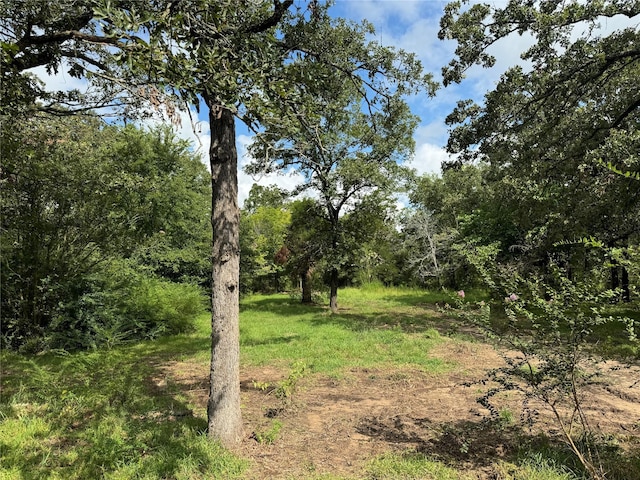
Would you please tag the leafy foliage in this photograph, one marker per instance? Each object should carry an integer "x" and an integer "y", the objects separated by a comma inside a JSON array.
[
  {"x": 121, "y": 304},
  {"x": 78, "y": 193},
  {"x": 549, "y": 330},
  {"x": 555, "y": 133},
  {"x": 262, "y": 235}
]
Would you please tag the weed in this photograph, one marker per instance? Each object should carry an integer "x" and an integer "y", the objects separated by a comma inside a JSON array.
[
  {"x": 505, "y": 417},
  {"x": 262, "y": 386},
  {"x": 270, "y": 435},
  {"x": 287, "y": 387}
]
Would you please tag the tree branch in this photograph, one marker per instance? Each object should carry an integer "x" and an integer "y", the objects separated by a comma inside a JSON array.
[{"x": 278, "y": 12}]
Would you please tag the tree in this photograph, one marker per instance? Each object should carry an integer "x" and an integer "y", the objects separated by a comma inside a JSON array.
[
  {"x": 550, "y": 133},
  {"x": 264, "y": 221},
  {"x": 306, "y": 243},
  {"x": 424, "y": 243},
  {"x": 344, "y": 153},
  {"x": 259, "y": 196},
  {"x": 241, "y": 62},
  {"x": 78, "y": 193},
  {"x": 92, "y": 40},
  {"x": 461, "y": 204},
  {"x": 553, "y": 136},
  {"x": 246, "y": 63},
  {"x": 374, "y": 241},
  {"x": 262, "y": 235}
]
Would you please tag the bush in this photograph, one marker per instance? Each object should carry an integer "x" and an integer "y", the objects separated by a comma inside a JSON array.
[
  {"x": 160, "y": 304},
  {"x": 121, "y": 303},
  {"x": 551, "y": 327}
]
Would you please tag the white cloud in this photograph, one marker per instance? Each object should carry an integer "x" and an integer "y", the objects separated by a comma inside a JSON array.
[
  {"x": 378, "y": 12},
  {"x": 428, "y": 158}
]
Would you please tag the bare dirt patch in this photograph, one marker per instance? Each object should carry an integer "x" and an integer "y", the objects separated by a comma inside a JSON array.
[{"x": 336, "y": 425}]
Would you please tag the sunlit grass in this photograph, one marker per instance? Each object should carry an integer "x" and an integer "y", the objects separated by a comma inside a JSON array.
[
  {"x": 97, "y": 415},
  {"x": 411, "y": 466},
  {"x": 278, "y": 328}
]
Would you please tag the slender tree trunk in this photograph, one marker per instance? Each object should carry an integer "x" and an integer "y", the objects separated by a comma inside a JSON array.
[
  {"x": 333, "y": 296},
  {"x": 626, "y": 292},
  {"x": 223, "y": 409},
  {"x": 615, "y": 279},
  {"x": 334, "y": 217},
  {"x": 305, "y": 280}
]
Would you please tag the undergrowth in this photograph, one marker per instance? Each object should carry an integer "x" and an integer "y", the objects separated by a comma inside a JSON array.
[{"x": 113, "y": 413}]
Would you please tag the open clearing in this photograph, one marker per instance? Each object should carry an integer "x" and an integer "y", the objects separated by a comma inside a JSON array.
[
  {"x": 385, "y": 390},
  {"x": 336, "y": 425}
]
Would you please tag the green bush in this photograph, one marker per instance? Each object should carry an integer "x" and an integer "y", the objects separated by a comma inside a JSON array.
[
  {"x": 122, "y": 303},
  {"x": 160, "y": 304}
]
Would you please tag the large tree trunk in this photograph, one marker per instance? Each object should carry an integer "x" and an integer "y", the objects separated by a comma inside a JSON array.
[
  {"x": 223, "y": 410},
  {"x": 305, "y": 278}
]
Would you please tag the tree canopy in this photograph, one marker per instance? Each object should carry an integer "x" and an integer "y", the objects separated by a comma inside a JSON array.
[{"x": 554, "y": 131}]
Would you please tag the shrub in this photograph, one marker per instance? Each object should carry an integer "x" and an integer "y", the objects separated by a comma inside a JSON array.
[
  {"x": 122, "y": 303},
  {"x": 551, "y": 328}
]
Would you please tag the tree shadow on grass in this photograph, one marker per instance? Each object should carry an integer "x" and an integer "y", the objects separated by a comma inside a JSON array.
[
  {"x": 381, "y": 320},
  {"x": 480, "y": 444},
  {"x": 167, "y": 348},
  {"x": 284, "y": 306},
  {"x": 283, "y": 339},
  {"x": 464, "y": 444},
  {"x": 105, "y": 413}
]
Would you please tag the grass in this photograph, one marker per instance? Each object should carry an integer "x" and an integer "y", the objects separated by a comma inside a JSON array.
[
  {"x": 93, "y": 415},
  {"x": 101, "y": 414},
  {"x": 410, "y": 466},
  {"x": 367, "y": 332}
]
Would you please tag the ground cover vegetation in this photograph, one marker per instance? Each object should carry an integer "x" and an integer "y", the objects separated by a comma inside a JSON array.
[
  {"x": 320, "y": 396},
  {"x": 104, "y": 226}
]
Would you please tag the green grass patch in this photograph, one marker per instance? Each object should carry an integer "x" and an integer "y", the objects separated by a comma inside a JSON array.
[
  {"x": 410, "y": 466},
  {"x": 102, "y": 413},
  {"x": 365, "y": 333},
  {"x": 98, "y": 415}
]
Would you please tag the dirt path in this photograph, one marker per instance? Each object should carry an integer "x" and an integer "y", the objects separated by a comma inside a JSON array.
[{"x": 337, "y": 425}]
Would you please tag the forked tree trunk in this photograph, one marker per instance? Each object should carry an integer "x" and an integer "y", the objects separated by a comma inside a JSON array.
[{"x": 223, "y": 409}]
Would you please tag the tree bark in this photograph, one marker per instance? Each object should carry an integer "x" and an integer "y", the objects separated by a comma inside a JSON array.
[
  {"x": 223, "y": 409},
  {"x": 626, "y": 291},
  {"x": 615, "y": 279},
  {"x": 334, "y": 217},
  {"x": 306, "y": 285}
]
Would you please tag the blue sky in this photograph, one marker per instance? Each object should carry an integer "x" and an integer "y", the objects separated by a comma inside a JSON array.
[{"x": 408, "y": 24}]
